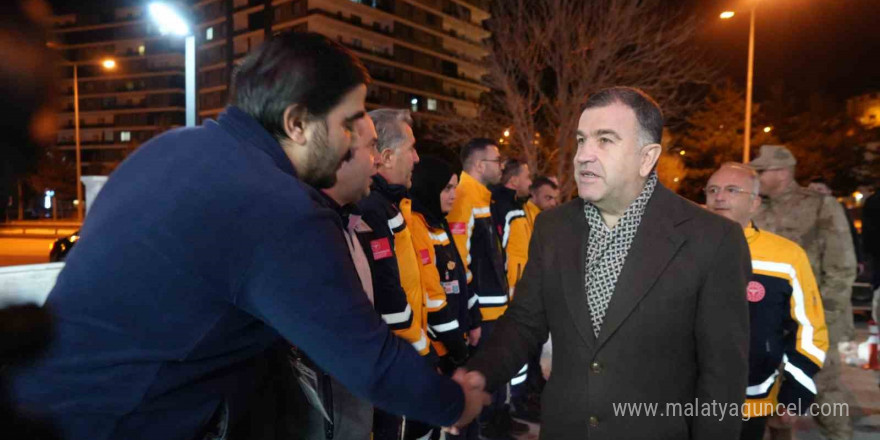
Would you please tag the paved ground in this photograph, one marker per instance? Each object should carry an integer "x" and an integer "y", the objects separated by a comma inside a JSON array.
[
  {"x": 15, "y": 251},
  {"x": 863, "y": 396}
]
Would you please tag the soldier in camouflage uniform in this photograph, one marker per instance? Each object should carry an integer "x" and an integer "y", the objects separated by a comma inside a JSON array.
[{"x": 818, "y": 224}]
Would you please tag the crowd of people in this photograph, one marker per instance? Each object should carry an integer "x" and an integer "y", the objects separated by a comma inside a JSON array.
[{"x": 362, "y": 291}]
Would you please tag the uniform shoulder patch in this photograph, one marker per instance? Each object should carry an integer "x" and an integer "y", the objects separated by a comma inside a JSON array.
[{"x": 381, "y": 249}]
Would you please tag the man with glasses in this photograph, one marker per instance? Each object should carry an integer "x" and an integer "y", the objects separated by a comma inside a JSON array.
[
  {"x": 818, "y": 224},
  {"x": 787, "y": 322},
  {"x": 477, "y": 240}
]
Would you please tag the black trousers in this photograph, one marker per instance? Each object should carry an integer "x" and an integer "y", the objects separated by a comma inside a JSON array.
[{"x": 753, "y": 429}]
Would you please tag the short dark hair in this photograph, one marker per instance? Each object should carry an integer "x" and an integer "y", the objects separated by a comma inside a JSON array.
[
  {"x": 648, "y": 113},
  {"x": 474, "y": 146},
  {"x": 540, "y": 181},
  {"x": 510, "y": 169},
  {"x": 295, "y": 68}
]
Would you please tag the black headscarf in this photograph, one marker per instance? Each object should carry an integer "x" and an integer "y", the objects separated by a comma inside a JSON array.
[{"x": 430, "y": 176}]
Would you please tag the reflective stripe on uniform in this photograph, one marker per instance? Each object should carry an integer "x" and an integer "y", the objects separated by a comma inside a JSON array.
[
  {"x": 493, "y": 300},
  {"x": 515, "y": 214},
  {"x": 799, "y": 375},
  {"x": 449, "y": 326},
  {"x": 763, "y": 387},
  {"x": 395, "y": 223},
  {"x": 399, "y": 317},
  {"x": 421, "y": 344}
]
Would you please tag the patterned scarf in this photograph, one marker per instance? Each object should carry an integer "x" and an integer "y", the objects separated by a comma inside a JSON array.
[{"x": 607, "y": 251}]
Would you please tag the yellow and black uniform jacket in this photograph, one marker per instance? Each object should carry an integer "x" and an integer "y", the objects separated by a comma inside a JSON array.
[
  {"x": 788, "y": 334},
  {"x": 473, "y": 232},
  {"x": 515, "y": 230},
  {"x": 398, "y": 294},
  {"x": 532, "y": 210},
  {"x": 443, "y": 277}
]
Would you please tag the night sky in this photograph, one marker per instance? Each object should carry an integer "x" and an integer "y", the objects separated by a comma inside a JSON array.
[{"x": 826, "y": 46}]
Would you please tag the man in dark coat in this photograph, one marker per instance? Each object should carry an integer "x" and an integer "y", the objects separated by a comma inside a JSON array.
[{"x": 644, "y": 294}]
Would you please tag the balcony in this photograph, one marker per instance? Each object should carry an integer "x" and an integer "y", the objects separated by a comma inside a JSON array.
[
  {"x": 388, "y": 56},
  {"x": 387, "y": 32}
]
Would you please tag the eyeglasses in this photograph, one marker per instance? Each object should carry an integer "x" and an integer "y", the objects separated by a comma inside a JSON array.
[
  {"x": 499, "y": 161},
  {"x": 729, "y": 190}
]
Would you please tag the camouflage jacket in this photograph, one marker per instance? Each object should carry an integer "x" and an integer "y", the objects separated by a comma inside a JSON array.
[{"x": 818, "y": 224}]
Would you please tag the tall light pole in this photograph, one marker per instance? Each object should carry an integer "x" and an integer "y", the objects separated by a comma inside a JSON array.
[
  {"x": 747, "y": 133},
  {"x": 108, "y": 64},
  {"x": 171, "y": 21}
]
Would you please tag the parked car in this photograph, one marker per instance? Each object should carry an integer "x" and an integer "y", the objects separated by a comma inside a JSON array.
[{"x": 62, "y": 246}]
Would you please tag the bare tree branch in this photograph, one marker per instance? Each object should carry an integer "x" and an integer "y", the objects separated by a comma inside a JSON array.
[{"x": 548, "y": 56}]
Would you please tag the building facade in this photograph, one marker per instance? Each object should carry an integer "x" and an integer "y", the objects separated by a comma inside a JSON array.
[{"x": 424, "y": 55}]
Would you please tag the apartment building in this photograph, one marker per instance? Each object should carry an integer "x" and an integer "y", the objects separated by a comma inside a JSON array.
[{"x": 424, "y": 55}]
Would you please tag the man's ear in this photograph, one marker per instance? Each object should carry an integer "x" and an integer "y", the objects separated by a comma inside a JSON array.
[
  {"x": 756, "y": 204},
  {"x": 650, "y": 156},
  {"x": 295, "y": 123},
  {"x": 386, "y": 157}
]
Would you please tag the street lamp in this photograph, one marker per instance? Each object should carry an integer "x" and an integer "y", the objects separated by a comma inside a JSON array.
[
  {"x": 749, "y": 74},
  {"x": 171, "y": 21},
  {"x": 108, "y": 64}
]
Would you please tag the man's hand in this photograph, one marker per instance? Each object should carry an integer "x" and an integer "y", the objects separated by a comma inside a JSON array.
[
  {"x": 474, "y": 336},
  {"x": 475, "y": 396}
]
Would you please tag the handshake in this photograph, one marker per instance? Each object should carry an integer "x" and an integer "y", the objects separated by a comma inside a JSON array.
[{"x": 473, "y": 384}]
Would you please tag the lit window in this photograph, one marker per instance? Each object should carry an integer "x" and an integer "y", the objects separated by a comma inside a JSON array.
[
  {"x": 125, "y": 136},
  {"x": 415, "y": 104},
  {"x": 432, "y": 104},
  {"x": 209, "y": 33},
  {"x": 142, "y": 49}
]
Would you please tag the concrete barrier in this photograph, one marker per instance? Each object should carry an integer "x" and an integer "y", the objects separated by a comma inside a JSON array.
[{"x": 27, "y": 284}]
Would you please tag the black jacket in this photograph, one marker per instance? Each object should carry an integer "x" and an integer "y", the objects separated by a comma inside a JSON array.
[{"x": 676, "y": 329}]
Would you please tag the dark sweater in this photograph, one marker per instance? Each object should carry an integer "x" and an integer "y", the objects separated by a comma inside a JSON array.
[{"x": 202, "y": 248}]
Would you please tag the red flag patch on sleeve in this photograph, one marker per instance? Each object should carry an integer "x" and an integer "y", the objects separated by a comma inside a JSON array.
[
  {"x": 381, "y": 249},
  {"x": 458, "y": 228},
  {"x": 425, "y": 256}
]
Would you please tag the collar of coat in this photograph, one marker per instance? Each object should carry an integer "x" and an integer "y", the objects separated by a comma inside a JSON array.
[
  {"x": 473, "y": 188},
  {"x": 503, "y": 193},
  {"x": 248, "y": 131},
  {"x": 394, "y": 193}
]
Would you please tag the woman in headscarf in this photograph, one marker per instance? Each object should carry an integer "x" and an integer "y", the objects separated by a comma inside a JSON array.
[{"x": 452, "y": 309}]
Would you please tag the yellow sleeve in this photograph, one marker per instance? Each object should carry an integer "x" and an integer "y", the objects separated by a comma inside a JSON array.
[
  {"x": 808, "y": 312},
  {"x": 436, "y": 296},
  {"x": 461, "y": 224},
  {"x": 517, "y": 251}
]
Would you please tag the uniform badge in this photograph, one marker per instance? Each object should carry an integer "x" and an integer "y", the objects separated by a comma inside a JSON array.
[
  {"x": 755, "y": 291},
  {"x": 381, "y": 249},
  {"x": 450, "y": 265},
  {"x": 451, "y": 287}
]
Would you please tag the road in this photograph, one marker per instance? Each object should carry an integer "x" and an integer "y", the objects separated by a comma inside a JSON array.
[{"x": 15, "y": 251}]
